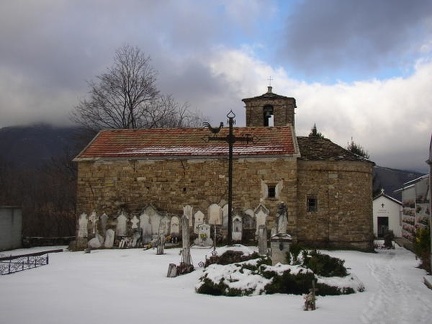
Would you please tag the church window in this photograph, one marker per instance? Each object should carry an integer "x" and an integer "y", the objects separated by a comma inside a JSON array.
[
  {"x": 312, "y": 204},
  {"x": 271, "y": 191}
]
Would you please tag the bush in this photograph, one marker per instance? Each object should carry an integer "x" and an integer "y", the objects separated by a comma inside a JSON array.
[
  {"x": 422, "y": 245},
  {"x": 324, "y": 265},
  {"x": 229, "y": 257},
  {"x": 289, "y": 283},
  {"x": 293, "y": 254},
  {"x": 294, "y": 279}
]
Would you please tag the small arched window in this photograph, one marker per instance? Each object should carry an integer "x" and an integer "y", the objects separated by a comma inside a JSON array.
[{"x": 268, "y": 115}]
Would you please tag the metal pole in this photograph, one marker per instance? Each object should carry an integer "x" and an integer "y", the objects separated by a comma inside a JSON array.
[{"x": 231, "y": 140}]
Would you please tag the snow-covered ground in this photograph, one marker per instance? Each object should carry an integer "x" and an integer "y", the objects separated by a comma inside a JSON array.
[{"x": 131, "y": 286}]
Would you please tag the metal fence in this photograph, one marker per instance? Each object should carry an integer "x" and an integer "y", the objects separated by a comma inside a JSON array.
[{"x": 16, "y": 263}]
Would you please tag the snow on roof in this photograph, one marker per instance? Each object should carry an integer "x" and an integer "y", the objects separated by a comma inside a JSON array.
[{"x": 175, "y": 142}]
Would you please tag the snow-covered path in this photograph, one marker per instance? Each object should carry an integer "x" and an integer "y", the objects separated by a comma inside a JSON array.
[
  {"x": 393, "y": 298},
  {"x": 125, "y": 286}
]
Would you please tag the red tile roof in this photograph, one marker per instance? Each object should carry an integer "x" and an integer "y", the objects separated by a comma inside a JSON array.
[{"x": 189, "y": 142}]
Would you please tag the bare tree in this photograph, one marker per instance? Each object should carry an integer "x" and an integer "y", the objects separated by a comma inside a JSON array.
[{"x": 126, "y": 96}]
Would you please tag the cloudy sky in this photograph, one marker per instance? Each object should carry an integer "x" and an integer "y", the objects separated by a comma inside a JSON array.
[{"x": 359, "y": 70}]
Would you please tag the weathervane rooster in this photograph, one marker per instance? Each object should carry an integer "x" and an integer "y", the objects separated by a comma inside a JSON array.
[{"x": 214, "y": 130}]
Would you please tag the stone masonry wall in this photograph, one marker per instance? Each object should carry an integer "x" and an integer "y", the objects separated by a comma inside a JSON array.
[
  {"x": 344, "y": 214},
  {"x": 283, "y": 111},
  {"x": 108, "y": 186}
]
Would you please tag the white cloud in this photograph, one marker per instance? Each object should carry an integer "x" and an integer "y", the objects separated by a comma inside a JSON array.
[{"x": 384, "y": 116}]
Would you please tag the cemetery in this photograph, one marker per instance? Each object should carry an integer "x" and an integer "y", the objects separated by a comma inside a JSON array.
[{"x": 276, "y": 266}]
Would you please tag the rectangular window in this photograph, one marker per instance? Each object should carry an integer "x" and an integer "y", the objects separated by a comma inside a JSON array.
[
  {"x": 312, "y": 204},
  {"x": 271, "y": 191}
]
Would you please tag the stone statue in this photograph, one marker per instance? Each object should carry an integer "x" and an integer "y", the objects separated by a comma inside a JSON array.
[{"x": 282, "y": 219}]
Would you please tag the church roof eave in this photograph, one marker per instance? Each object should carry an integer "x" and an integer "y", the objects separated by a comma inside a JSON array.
[{"x": 188, "y": 143}]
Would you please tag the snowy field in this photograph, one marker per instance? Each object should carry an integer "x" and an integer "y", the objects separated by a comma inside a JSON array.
[{"x": 130, "y": 286}]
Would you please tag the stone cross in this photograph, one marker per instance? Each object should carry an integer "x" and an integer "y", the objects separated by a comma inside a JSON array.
[{"x": 134, "y": 222}]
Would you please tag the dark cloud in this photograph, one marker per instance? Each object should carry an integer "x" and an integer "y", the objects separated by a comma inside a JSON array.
[{"x": 361, "y": 36}]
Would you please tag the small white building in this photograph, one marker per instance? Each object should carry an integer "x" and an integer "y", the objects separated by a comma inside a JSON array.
[
  {"x": 10, "y": 227},
  {"x": 387, "y": 215}
]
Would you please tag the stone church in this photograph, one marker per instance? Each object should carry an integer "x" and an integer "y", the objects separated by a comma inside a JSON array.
[{"x": 127, "y": 176}]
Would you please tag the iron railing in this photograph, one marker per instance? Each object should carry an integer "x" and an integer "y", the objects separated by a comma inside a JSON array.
[{"x": 16, "y": 263}]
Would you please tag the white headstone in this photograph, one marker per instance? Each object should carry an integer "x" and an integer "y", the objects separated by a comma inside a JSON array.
[
  {"x": 109, "y": 239},
  {"x": 199, "y": 219},
  {"x": 145, "y": 228},
  {"x": 82, "y": 226},
  {"x": 204, "y": 238},
  {"x": 155, "y": 219},
  {"x": 96, "y": 242},
  {"x": 93, "y": 219},
  {"x": 237, "y": 228},
  {"x": 175, "y": 226},
  {"x": 261, "y": 213},
  {"x": 215, "y": 214},
  {"x": 121, "y": 228},
  {"x": 164, "y": 225}
]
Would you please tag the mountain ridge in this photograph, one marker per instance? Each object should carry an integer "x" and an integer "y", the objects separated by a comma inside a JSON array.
[{"x": 32, "y": 146}]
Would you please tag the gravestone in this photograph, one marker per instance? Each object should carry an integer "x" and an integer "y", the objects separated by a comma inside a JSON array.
[
  {"x": 109, "y": 239},
  {"x": 204, "y": 238},
  {"x": 121, "y": 227},
  {"x": 280, "y": 247},
  {"x": 175, "y": 228},
  {"x": 146, "y": 230},
  {"x": 82, "y": 226},
  {"x": 249, "y": 227},
  {"x": 96, "y": 242},
  {"x": 261, "y": 213},
  {"x": 198, "y": 220},
  {"x": 155, "y": 219},
  {"x": 134, "y": 222},
  {"x": 93, "y": 219},
  {"x": 172, "y": 270},
  {"x": 215, "y": 214},
  {"x": 160, "y": 243},
  {"x": 164, "y": 225},
  {"x": 237, "y": 228},
  {"x": 186, "y": 257},
  {"x": 104, "y": 221},
  {"x": 262, "y": 240}
]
